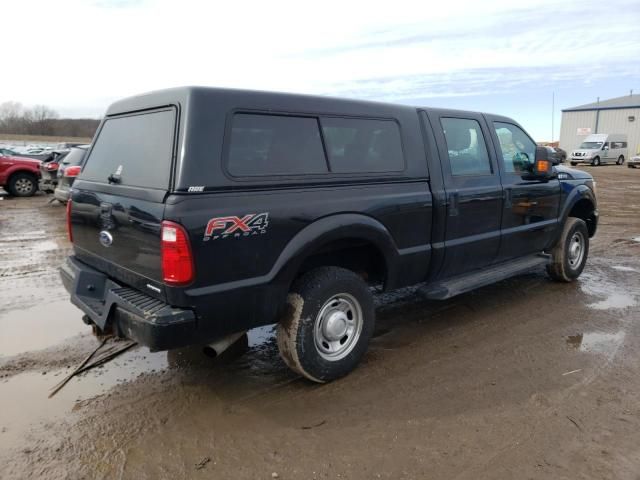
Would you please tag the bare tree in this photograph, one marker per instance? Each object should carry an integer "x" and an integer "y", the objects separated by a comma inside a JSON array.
[
  {"x": 11, "y": 114},
  {"x": 42, "y": 120}
]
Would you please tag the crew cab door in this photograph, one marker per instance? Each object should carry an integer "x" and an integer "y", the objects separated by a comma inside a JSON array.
[
  {"x": 531, "y": 207},
  {"x": 472, "y": 190}
]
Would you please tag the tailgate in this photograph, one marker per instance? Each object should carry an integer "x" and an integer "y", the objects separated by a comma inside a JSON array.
[{"x": 118, "y": 198}]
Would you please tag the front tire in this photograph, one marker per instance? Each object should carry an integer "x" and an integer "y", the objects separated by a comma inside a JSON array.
[
  {"x": 569, "y": 256},
  {"x": 596, "y": 162},
  {"x": 22, "y": 185},
  {"x": 328, "y": 324},
  {"x": 620, "y": 160},
  {"x": 573, "y": 164}
]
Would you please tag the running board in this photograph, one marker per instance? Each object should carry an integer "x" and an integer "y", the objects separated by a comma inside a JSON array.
[{"x": 470, "y": 281}]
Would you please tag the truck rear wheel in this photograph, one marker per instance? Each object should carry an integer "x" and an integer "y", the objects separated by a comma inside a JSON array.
[
  {"x": 328, "y": 324},
  {"x": 569, "y": 255}
]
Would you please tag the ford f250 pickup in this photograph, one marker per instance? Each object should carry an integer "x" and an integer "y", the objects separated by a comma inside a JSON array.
[{"x": 201, "y": 212}]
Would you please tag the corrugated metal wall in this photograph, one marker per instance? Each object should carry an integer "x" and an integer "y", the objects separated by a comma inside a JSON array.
[
  {"x": 571, "y": 121},
  {"x": 609, "y": 121},
  {"x": 617, "y": 121}
]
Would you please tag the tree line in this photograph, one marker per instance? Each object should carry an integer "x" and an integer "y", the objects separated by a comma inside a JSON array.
[{"x": 42, "y": 120}]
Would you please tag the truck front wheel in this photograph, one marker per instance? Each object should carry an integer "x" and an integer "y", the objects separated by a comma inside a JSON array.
[
  {"x": 569, "y": 255},
  {"x": 328, "y": 324},
  {"x": 22, "y": 185}
]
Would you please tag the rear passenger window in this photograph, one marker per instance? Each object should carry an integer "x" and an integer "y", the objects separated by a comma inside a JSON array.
[
  {"x": 362, "y": 145},
  {"x": 275, "y": 145},
  {"x": 466, "y": 147}
]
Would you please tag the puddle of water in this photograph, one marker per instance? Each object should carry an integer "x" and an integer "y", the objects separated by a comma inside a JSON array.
[
  {"x": 261, "y": 335},
  {"x": 622, "y": 268},
  {"x": 35, "y": 235},
  {"x": 45, "y": 246},
  {"x": 597, "y": 342},
  {"x": 39, "y": 327},
  {"x": 614, "y": 294},
  {"x": 615, "y": 300},
  {"x": 25, "y": 405}
]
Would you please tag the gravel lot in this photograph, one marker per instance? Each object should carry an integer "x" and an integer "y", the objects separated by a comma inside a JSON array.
[{"x": 523, "y": 379}]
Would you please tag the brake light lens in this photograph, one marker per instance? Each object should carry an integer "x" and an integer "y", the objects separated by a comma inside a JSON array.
[
  {"x": 69, "y": 232},
  {"x": 51, "y": 166},
  {"x": 177, "y": 261},
  {"x": 72, "y": 171}
]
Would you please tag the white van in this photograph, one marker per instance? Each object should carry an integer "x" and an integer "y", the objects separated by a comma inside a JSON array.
[{"x": 600, "y": 148}]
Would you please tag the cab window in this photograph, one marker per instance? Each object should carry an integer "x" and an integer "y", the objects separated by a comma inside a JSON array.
[
  {"x": 466, "y": 147},
  {"x": 517, "y": 150}
]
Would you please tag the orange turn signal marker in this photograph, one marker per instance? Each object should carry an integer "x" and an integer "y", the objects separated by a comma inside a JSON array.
[{"x": 543, "y": 166}]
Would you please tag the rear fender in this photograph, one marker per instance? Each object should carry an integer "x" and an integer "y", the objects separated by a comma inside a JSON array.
[{"x": 332, "y": 228}]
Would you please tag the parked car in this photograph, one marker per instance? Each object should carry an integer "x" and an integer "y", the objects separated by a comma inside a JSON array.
[
  {"x": 557, "y": 153},
  {"x": 600, "y": 148},
  {"x": 8, "y": 152},
  {"x": 201, "y": 213},
  {"x": 634, "y": 162},
  {"x": 68, "y": 171},
  {"x": 19, "y": 175},
  {"x": 49, "y": 170}
]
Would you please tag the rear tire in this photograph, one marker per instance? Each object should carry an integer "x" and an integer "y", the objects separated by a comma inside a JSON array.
[
  {"x": 620, "y": 160},
  {"x": 569, "y": 256},
  {"x": 328, "y": 324},
  {"x": 596, "y": 162},
  {"x": 22, "y": 185}
]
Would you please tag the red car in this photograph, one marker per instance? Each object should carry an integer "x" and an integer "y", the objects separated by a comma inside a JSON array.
[{"x": 19, "y": 175}]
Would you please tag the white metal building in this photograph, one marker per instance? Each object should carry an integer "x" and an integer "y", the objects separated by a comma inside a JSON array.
[{"x": 617, "y": 115}]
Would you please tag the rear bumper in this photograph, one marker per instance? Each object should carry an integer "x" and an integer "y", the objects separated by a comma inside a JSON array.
[
  {"x": 61, "y": 193},
  {"x": 132, "y": 314},
  {"x": 47, "y": 184}
]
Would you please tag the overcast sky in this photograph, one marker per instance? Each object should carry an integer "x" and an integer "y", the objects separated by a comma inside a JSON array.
[{"x": 501, "y": 56}]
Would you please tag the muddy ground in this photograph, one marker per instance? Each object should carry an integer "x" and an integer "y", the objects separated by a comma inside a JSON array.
[{"x": 523, "y": 379}]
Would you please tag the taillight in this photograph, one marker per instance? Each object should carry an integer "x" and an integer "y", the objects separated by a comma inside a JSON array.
[
  {"x": 177, "y": 261},
  {"x": 51, "y": 166},
  {"x": 69, "y": 232},
  {"x": 72, "y": 171}
]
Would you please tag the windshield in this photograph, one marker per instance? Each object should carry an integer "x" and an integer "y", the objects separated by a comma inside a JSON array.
[
  {"x": 74, "y": 157},
  {"x": 591, "y": 145}
]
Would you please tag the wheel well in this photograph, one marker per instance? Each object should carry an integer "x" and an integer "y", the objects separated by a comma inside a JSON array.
[
  {"x": 585, "y": 210},
  {"x": 18, "y": 172},
  {"x": 359, "y": 256}
]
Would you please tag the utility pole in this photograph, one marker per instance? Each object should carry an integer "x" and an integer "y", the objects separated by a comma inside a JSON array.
[{"x": 553, "y": 107}]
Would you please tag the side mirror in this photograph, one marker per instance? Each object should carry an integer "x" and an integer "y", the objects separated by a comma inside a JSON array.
[
  {"x": 542, "y": 168},
  {"x": 606, "y": 147}
]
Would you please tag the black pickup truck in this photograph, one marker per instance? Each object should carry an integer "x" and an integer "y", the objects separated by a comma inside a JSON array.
[{"x": 200, "y": 213}]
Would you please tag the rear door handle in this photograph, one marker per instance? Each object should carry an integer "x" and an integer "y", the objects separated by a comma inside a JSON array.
[
  {"x": 508, "y": 198},
  {"x": 453, "y": 204}
]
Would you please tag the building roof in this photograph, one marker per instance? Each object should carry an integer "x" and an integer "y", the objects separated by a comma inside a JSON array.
[{"x": 626, "y": 101}]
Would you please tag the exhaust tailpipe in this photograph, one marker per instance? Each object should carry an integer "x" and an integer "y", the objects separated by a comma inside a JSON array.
[{"x": 221, "y": 344}]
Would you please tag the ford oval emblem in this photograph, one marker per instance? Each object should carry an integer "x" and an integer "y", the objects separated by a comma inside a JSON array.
[{"x": 106, "y": 239}]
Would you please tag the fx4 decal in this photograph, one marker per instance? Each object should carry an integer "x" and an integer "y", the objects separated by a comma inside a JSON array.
[{"x": 223, "y": 227}]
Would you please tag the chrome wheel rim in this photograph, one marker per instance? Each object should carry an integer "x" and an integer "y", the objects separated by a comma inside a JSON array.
[
  {"x": 576, "y": 250},
  {"x": 23, "y": 185},
  {"x": 338, "y": 327}
]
